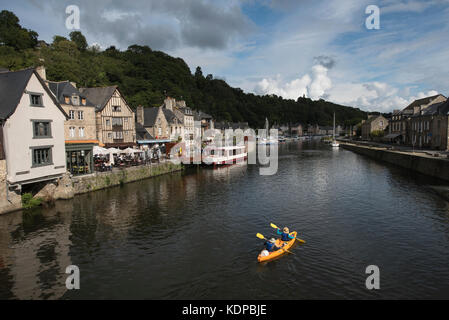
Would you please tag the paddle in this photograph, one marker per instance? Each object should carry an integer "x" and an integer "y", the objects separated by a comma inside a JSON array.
[
  {"x": 276, "y": 227},
  {"x": 260, "y": 236}
]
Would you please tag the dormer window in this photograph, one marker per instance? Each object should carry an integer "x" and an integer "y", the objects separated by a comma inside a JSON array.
[
  {"x": 66, "y": 100},
  {"x": 36, "y": 99},
  {"x": 75, "y": 100},
  {"x": 83, "y": 101}
]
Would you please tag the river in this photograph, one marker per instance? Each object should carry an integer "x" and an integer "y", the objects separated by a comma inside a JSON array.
[{"x": 192, "y": 235}]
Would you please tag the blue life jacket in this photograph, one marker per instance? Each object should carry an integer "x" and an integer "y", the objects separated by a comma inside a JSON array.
[
  {"x": 269, "y": 246},
  {"x": 285, "y": 236}
]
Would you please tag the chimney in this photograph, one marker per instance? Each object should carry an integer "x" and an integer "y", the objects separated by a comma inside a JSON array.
[
  {"x": 41, "y": 72},
  {"x": 169, "y": 103},
  {"x": 140, "y": 115}
]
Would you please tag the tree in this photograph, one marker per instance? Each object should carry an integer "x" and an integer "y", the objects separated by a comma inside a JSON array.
[
  {"x": 13, "y": 35},
  {"x": 79, "y": 39}
]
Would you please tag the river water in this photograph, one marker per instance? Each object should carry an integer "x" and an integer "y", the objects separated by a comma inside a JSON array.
[{"x": 191, "y": 235}]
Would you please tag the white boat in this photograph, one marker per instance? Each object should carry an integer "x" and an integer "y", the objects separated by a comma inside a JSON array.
[
  {"x": 334, "y": 144},
  {"x": 227, "y": 155}
]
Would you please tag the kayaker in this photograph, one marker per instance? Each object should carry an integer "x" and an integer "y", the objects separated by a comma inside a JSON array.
[
  {"x": 271, "y": 245},
  {"x": 285, "y": 234}
]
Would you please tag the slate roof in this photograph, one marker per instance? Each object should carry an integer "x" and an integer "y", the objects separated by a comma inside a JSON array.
[
  {"x": 422, "y": 101},
  {"x": 12, "y": 87},
  {"x": 150, "y": 116},
  {"x": 66, "y": 89},
  {"x": 99, "y": 96},
  {"x": 141, "y": 133},
  {"x": 440, "y": 108},
  {"x": 170, "y": 115},
  {"x": 200, "y": 115}
]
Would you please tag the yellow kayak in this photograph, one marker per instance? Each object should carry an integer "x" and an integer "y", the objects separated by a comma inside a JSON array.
[{"x": 279, "y": 243}]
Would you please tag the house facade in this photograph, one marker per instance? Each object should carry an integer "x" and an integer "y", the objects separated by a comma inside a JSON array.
[
  {"x": 400, "y": 128},
  {"x": 154, "y": 121},
  {"x": 80, "y": 129},
  {"x": 32, "y": 126},
  {"x": 373, "y": 123},
  {"x": 429, "y": 127},
  {"x": 115, "y": 120}
]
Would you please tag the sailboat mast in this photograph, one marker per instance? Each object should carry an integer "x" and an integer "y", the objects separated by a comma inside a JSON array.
[{"x": 334, "y": 126}]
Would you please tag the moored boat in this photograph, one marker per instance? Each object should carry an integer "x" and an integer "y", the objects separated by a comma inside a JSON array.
[{"x": 227, "y": 155}]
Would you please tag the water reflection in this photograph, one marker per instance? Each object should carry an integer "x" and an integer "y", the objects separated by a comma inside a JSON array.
[{"x": 192, "y": 234}]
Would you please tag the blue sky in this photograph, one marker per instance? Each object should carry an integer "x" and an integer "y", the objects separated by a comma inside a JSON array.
[{"x": 320, "y": 49}]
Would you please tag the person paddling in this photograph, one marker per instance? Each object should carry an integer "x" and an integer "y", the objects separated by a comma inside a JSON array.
[
  {"x": 271, "y": 245},
  {"x": 285, "y": 234}
]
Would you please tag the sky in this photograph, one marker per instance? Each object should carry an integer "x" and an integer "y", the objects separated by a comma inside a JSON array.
[{"x": 292, "y": 48}]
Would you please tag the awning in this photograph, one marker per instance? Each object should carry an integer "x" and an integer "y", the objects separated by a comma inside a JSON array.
[{"x": 153, "y": 141}]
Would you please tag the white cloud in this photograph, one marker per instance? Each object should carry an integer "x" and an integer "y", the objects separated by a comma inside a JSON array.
[{"x": 313, "y": 86}]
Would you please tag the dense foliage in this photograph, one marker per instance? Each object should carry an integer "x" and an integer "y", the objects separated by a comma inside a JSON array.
[{"x": 145, "y": 76}]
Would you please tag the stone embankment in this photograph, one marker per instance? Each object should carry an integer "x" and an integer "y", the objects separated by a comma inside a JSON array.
[
  {"x": 68, "y": 186},
  {"x": 437, "y": 167}
]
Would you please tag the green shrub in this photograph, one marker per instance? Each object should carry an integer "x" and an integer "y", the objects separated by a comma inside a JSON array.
[{"x": 29, "y": 202}]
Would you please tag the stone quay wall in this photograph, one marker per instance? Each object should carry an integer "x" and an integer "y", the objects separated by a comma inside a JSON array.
[
  {"x": 424, "y": 164},
  {"x": 68, "y": 186}
]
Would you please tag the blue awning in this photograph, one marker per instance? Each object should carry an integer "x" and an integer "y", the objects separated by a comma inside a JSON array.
[{"x": 153, "y": 141}]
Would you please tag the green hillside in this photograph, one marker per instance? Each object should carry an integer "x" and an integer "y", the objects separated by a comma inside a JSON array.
[{"x": 145, "y": 76}]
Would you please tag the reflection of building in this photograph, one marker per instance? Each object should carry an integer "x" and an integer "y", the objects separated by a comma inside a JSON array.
[
  {"x": 115, "y": 121},
  {"x": 36, "y": 261},
  {"x": 32, "y": 126},
  {"x": 79, "y": 130}
]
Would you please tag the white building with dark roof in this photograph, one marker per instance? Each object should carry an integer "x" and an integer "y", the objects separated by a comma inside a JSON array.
[{"x": 31, "y": 130}]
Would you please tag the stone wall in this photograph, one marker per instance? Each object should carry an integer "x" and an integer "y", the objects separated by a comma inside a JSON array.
[
  {"x": 102, "y": 180},
  {"x": 67, "y": 187},
  {"x": 10, "y": 200},
  {"x": 435, "y": 167}
]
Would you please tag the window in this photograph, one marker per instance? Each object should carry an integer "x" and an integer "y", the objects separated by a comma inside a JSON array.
[
  {"x": 116, "y": 108},
  {"x": 83, "y": 101},
  {"x": 118, "y": 134},
  {"x": 125, "y": 119},
  {"x": 81, "y": 132},
  {"x": 80, "y": 115},
  {"x": 66, "y": 100},
  {"x": 41, "y": 156},
  {"x": 117, "y": 121},
  {"x": 41, "y": 129},
  {"x": 36, "y": 99},
  {"x": 75, "y": 100},
  {"x": 72, "y": 132},
  {"x": 108, "y": 122},
  {"x": 109, "y": 134},
  {"x": 159, "y": 130},
  {"x": 71, "y": 114}
]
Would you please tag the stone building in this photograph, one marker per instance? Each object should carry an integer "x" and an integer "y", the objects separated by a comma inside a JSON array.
[
  {"x": 115, "y": 120},
  {"x": 429, "y": 127},
  {"x": 80, "y": 129},
  {"x": 399, "y": 127},
  {"x": 373, "y": 123}
]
